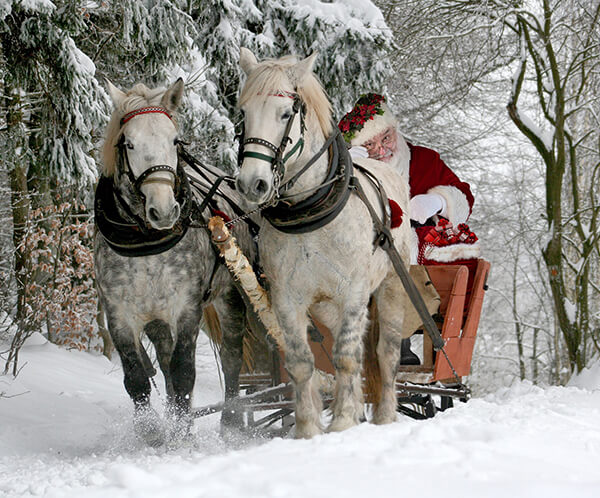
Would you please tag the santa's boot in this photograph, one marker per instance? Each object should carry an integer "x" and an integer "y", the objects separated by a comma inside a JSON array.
[{"x": 407, "y": 357}]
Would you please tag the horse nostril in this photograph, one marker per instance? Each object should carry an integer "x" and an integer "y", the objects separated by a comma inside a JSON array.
[
  {"x": 153, "y": 214},
  {"x": 260, "y": 187},
  {"x": 175, "y": 212},
  {"x": 241, "y": 186}
]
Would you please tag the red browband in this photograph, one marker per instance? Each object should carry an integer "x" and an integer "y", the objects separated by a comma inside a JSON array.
[
  {"x": 283, "y": 93},
  {"x": 144, "y": 110}
]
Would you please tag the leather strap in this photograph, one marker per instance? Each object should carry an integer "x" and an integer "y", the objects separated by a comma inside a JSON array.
[{"x": 385, "y": 240}]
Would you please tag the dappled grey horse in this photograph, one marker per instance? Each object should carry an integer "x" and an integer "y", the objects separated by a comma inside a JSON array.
[{"x": 155, "y": 273}]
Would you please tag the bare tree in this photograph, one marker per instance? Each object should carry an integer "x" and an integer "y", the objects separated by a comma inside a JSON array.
[{"x": 553, "y": 101}]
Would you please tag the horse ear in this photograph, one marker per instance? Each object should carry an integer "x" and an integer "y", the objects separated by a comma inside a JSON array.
[
  {"x": 172, "y": 97},
  {"x": 247, "y": 60},
  {"x": 299, "y": 71},
  {"x": 116, "y": 95}
]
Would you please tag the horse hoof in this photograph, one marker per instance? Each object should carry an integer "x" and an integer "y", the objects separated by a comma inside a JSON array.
[
  {"x": 379, "y": 419},
  {"x": 307, "y": 431},
  {"x": 232, "y": 419},
  {"x": 341, "y": 424},
  {"x": 148, "y": 426}
]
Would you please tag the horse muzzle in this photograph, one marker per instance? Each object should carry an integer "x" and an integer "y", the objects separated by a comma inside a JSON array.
[
  {"x": 163, "y": 218},
  {"x": 254, "y": 189}
]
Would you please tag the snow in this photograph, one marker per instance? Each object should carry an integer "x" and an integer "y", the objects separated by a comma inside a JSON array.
[
  {"x": 66, "y": 432},
  {"x": 45, "y": 6},
  {"x": 345, "y": 12},
  {"x": 587, "y": 378}
]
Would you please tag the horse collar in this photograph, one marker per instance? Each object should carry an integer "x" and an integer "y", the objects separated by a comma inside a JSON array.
[
  {"x": 127, "y": 234},
  {"x": 325, "y": 204}
]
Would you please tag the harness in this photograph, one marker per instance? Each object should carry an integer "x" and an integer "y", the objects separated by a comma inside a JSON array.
[
  {"x": 326, "y": 201},
  {"x": 129, "y": 235}
]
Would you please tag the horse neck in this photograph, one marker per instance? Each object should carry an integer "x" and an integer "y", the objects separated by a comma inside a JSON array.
[{"x": 315, "y": 175}]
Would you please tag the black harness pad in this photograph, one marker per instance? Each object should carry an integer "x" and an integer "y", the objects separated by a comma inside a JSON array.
[
  {"x": 324, "y": 205},
  {"x": 132, "y": 238}
]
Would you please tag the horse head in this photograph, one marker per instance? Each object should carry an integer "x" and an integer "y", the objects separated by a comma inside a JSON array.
[
  {"x": 283, "y": 105},
  {"x": 141, "y": 151}
]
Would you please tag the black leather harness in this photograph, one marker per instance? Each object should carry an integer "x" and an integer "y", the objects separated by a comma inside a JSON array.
[
  {"x": 129, "y": 235},
  {"x": 324, "y": 204}
]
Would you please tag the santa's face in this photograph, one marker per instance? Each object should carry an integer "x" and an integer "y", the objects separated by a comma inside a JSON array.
[{"x": 383, "y": 146}]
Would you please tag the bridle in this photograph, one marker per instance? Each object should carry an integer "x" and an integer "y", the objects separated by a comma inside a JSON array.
[
  {"x": 278, "y": 161},
  {"x": 145, "y": 177}
]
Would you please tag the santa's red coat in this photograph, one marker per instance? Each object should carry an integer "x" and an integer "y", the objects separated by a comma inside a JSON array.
[{"x": 427, "y": 170}]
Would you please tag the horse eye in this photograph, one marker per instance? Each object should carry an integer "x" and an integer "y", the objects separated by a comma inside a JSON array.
[
  {"x": 286, "y": 115},
  {"x": 128, "y": 144}
]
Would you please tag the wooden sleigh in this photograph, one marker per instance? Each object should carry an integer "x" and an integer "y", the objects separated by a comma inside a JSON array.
[{"x": 266, "y": 397}]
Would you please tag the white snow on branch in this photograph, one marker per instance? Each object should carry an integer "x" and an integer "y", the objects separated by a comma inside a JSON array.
[
  {"x": 355, "y": 14},
  {"x": 571, "y": 310},
  {"x": 546, "y": 137}
]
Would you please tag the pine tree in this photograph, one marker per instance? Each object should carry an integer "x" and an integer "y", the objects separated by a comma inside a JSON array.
[{"x": 351, "y": 37}]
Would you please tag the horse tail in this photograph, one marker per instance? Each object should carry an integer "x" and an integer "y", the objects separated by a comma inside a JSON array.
[
  {"x": 212, "y": 326},
  {"x": 371, "y": 372}
]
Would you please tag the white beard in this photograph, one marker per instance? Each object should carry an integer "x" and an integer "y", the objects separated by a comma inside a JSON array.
[{"x": 401, "y": 158}]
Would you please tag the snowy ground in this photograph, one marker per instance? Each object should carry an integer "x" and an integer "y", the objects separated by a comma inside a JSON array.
[{"x": 66, "y": 431}]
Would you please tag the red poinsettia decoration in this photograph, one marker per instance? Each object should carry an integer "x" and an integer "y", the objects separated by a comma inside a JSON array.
[{"x": 367, "y": 106}]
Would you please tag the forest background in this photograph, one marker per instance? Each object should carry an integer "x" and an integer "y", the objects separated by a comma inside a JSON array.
[{"x": 507, "y": 91}]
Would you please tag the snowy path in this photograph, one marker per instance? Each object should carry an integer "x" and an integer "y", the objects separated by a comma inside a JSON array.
[{"x": 69, "y": 435}]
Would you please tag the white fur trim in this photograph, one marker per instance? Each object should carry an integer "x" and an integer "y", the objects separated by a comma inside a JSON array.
[
  {"x": 447, "y": 254},
  {"x": 414, "y": 247},
  {"x": 457, "y": 206},
  {"x": 375, "y": 126}
]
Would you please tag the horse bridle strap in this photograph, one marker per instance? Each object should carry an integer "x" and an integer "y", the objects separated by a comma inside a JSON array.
[
  {"x": 145, "y": 110},
  {"x": 278, "y": 161},
  {"x": 144, "y": 177}
]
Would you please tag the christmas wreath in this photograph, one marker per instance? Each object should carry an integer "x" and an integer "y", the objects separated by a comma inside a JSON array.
[{"x": 367, "y": 106}]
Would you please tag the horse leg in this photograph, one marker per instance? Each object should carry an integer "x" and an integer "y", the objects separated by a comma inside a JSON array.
[
  {"x": 391, "y": 300},
  {"x": 347, "y": 352},
  {"x": 183, "y": 363},
  {"x": 159, "y": 333},
  {"x": 146, "y": 421},
  {"x": 300, "y": 365},
  {"x": 232, "y": 317}
]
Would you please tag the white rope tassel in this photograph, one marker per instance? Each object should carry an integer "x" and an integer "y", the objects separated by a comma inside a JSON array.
[{"x": 241, "y": 268}]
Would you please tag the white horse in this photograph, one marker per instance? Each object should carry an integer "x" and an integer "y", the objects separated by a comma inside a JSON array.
[{"x": 330, "y": 268}]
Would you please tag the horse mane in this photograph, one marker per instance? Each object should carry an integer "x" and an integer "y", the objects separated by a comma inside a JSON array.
[
  {"x": 272, "y": 76},
  {"x": 138, "y": 96}
]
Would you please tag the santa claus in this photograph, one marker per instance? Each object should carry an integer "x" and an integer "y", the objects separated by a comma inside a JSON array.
[{"x": 440, "y": 202}]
